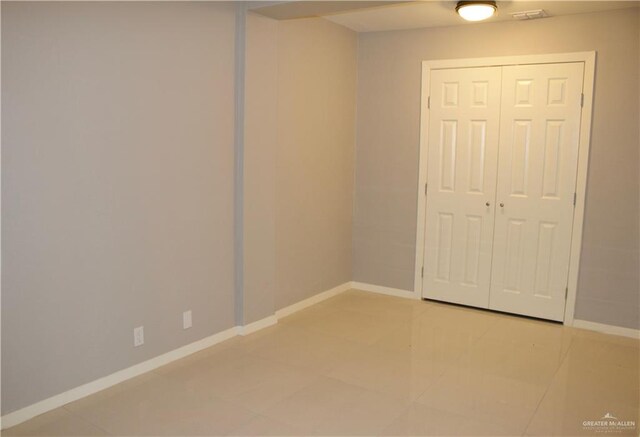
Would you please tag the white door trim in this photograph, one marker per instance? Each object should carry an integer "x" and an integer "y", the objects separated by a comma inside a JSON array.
[{"x": 589, "y": 59}]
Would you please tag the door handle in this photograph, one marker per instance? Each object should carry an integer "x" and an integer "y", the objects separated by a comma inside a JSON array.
[
  {"x": 488, "y": 204},
  {"x": 501, "y": 205}
]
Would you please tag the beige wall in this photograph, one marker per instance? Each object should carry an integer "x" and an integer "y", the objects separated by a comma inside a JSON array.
[
  {"x": 117, "y": 200},
  {"x": 315, "y": 157},
  {"x": 388, "y": 135}
]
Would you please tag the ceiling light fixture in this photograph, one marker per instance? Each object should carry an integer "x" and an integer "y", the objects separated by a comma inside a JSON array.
[{"x": 476, "y": 10}]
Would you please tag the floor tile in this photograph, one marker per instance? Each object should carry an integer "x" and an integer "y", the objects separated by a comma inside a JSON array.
[
  {"x": 58, "y": 422},
  {"x": 428, "y": 336},
  {"x": 266, "y": 426},
  {"x": 331, "y": 407},
  {"x": 600, "y": 336},
  {"x": 199, "y": 417},
  {"x": 514, "y": 330},
  {"x": 606, "y": 350},
  {"x": 276, "y": 385},
  {"x": 367, "y": 414},
  {"x": 350, "y": 325},
  {"x": 462, "y": 318},
  {"x": 587, "y": 391},
  {"x": 207, "y": 360},
  {"x": 507, "y": 402},
  {"x": 308, "y": 407},
  {"x": 598, "y": 379},
  {"x": 559, "y": 415},
  {"x": 420, "y": 420},
  {"x": 376, "y": 304},
  {"x": 526, "y": 362},
  {"x": 368, "y": 364},
  {"x": 136, "y": 391},
  {"x": 404, "y": 375},
  {"x": 254, "y": 382},
  {"x": 161, "y": 407},
  {"x": 309, "y": 350}
]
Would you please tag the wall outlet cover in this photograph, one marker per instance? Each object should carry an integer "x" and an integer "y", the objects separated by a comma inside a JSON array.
[
  {"x": 138, "y": 336},
  {"x": 187, "y": 321}
]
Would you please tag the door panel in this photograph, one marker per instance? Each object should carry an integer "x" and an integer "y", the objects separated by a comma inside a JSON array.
[
  {"x": 537, "y": 166},
  {"x": 461, "y": 179}
]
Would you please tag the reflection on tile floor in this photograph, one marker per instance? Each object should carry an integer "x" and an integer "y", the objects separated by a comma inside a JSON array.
[{"x": 368, "y": 364}]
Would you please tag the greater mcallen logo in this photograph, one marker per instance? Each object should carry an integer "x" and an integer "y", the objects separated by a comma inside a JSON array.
[{"x": 609, "y": 423}]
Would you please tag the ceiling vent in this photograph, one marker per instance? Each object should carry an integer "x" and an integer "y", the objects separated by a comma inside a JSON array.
[{"x": 530, "y": 15}]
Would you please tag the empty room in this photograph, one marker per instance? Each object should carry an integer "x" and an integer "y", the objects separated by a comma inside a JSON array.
[{"x": 333, "y": 218}]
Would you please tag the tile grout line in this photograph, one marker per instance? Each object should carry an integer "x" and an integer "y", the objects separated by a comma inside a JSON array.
[
  {"x": 457, "y": 360},
  {"x": 84, "y": 419},
  {"x": 551, "y": 380}
]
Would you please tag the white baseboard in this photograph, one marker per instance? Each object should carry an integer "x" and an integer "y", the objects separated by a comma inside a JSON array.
[
  {"x": 284, "y": 312},
  {"x": 583, "y": 324},
  {"x": 26, "y": 413},
  {"x": 607, "y": 329},
  {"x": 397, "y": 292},
  {"x": 257, "y": 325}
]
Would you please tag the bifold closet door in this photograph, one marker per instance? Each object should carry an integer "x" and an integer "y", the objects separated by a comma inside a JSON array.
[
  {"x": 538, "y": 158},
  {"x": 461, "y": 182}
]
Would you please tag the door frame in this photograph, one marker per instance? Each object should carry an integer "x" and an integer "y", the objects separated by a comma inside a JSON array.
[{"x": 589, "y": 59}]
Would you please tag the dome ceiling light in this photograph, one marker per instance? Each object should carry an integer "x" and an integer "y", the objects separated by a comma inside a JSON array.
[{"x": 476, "y": 10}]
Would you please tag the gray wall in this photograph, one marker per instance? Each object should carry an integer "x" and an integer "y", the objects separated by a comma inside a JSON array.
[
  {"x": 260, "y": 149},
  {"x": 118, "y": 160},
  {"x": 315, "y": 157},
  {"x": 117, "y": 200},
  {"x": 388, "y": 139},
  {"x": 299, "y": 147},
  {"x": 117, "y": 179}
]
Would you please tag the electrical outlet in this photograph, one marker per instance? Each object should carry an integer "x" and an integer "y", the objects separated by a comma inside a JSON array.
[
  {"x": 138, "y": 336},
  {"x": 186, "y": 320}
]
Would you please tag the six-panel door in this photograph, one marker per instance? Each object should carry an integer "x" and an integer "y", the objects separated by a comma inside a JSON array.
[
  {"x": 461, "y": 181},
  {"x": 537, "y": 167},
  {"x": 502, "y": 163}
]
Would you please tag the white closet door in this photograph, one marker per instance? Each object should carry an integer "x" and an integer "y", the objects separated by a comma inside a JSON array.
[
  {"x": 539, "y": 133},
  {"x": 461, "y": 180}
]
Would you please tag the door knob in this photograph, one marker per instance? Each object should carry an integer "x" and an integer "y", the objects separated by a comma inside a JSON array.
[
  {"x": 501, "y": 205},
  {"x": 488, "y": 204}
]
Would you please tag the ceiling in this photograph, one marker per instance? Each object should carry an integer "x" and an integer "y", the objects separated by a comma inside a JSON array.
[
  {"x": 304, "y": 9},
  {"x": 372, "y": 16}
]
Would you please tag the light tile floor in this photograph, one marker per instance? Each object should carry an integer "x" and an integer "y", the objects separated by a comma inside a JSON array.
[{"x": 368, "y": 364}]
